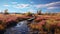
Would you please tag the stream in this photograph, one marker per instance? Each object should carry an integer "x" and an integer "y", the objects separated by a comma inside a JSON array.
[{"x": 20, "y": 28}]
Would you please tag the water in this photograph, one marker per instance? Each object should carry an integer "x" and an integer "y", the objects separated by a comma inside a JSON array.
[{"x": 20, "y": 28}]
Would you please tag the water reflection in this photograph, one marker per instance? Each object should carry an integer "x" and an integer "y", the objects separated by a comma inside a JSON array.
[{"x": 20, "y": 28}]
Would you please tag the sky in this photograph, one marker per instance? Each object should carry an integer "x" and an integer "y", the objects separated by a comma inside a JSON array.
[{"x": 22, "y": 6}]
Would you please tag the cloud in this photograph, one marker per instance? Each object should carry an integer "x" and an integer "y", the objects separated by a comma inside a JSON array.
[
  {"x": 6, "y": 5},
  {"x": 40, "y": 6},
  {"x": 52, "y": 7},
  {"x": 49, "y": 5},
  {"x": 22, "y": 6},
  {"x": 31, "y": 2},
  {"x": 53, "y": 4},
  {"x": 14, "y": 2},
  {"x": 31, "y": 10}
]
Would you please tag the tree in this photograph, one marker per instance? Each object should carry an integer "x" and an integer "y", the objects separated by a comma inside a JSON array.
[
  {"x": 39, "y": 12},
  {"x": 29, "y": 14},
  {"x": 6, "y": 11}
]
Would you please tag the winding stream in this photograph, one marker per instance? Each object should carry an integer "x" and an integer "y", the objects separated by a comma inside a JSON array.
[{"x": 20, "y": 28}]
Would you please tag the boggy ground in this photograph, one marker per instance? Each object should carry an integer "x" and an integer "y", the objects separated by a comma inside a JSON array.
[
  {"x": 46, "y": 24},
  {"x": 9, "y": 20}
]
